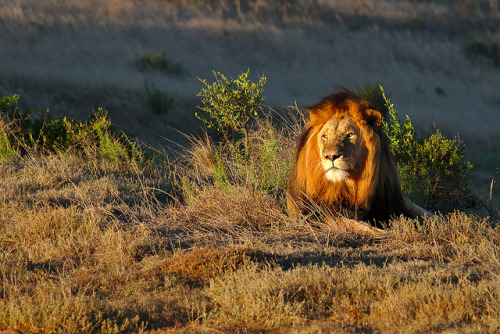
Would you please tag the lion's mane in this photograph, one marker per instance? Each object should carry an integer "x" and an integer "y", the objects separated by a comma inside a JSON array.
[{"x": 372, "y": 193}]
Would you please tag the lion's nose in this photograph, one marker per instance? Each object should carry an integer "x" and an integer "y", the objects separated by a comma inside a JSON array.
[{"x": 332, "y": 157}]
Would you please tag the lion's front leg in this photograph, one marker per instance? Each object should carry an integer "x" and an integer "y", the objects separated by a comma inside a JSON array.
[
  {"x": 355, "y": 227},
  {"x": 415, "y": 210}
]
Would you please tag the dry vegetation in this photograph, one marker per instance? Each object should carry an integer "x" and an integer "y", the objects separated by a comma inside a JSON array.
[
  {"x": 92, "y": 246},
  {"x": 203, "y": 243},
  {"x": 79, "y": 54},
  {"x": 142, "y": 59}
]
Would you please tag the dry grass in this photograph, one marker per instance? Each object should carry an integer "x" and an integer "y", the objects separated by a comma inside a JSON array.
[
  {"x": 203, "y": 244},
  {"x": 409, "y": 298},
  {"x": 88, "y": 246}
]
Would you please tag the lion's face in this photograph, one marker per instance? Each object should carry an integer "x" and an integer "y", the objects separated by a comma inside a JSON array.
[{"x": 341, "y": 148}]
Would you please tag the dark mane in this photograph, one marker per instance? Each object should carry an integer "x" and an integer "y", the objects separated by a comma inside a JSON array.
[{"x": 339, "y": 99}]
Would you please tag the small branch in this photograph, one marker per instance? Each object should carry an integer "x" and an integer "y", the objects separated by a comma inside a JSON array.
[{"x": 491, "y": 201}]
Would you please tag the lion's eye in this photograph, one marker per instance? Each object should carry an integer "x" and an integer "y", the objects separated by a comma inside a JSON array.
[
  {"x": 324, "y": 137},
  {"x": 349, "y": 135}
]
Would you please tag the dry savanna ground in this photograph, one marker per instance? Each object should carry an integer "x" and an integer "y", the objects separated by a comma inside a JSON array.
[
  {"x": 203, "y": 244},
  {"x": 199, "y": 241}
]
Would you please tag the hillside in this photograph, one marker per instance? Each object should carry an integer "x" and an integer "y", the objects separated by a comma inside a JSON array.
[{"x": 141, "y": 60}]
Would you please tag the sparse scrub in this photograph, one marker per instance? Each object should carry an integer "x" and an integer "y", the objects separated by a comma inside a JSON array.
[
  {"x": 273, "y": 163},
  {"x": 433, "y": 170},
  {"x": 104, "y": 255},
  {"x": 159, "y": 61},
  {"x": 231, "y": 104},
  {"x": 387, "y": 299},
  {"x": 94, "y": 240},
  {"x": 454, "y": 238},
  {"x": 264, "y": 169},
  {"x": 204, "y": 264},
  {"x": 7, "y": 105},
  {"x": 476, "y": 49},
  {"x": 158, "y": 101},
  {"x": 21, "y": 133},
  {"x": 260, "y": 304}
]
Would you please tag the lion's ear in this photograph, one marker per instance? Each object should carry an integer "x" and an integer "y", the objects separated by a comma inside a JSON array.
[
  {"x": 373, "y": 118},
  {"x": 318, "y": 115},
  {"x": 313, "y": 114}
]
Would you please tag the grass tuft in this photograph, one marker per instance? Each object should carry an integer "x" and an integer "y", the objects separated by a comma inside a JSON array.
[{"x": 201, "y": 265}]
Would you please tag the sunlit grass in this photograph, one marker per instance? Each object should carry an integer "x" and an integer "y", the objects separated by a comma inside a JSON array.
[{"x": 94, "y": 247}]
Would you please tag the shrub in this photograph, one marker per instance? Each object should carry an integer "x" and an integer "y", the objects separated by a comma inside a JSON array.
[
  {"x": 113, "y": 144},
  {"x": 7, "y": 104},
  {"x": 479, "y": 49},
  {"x": 20, "y": 133},
  {"x": 220, "y": 174},
  {"x": 264, "y": 169},
  {"x": 158, "y": 101},
  {"x": 433, "y": 170},
  {"x": 159, "y": 61},
  {"x": 371, "y": 92},
  {"x": 267, "y": 167},
  {"x": 271, "y": 159},
  {"x": 231, "y": 104}
]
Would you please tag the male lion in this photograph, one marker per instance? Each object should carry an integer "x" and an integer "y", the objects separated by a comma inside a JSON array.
[{"x": 342, "y": 163}]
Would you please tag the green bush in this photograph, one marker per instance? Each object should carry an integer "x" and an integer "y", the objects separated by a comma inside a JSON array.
[
  {"x": 113, "y": 144},
  {"x": 476, "y": 49},
  {"x": 220, "y": 173},
  {"x": 271, "y": 163},
  {"x": 20, "y": 133},
  {"x": 159, "y": 61},
  {"x": 158, "y": 101},
  {"x": 371, "y": 92},
  {"x": 265, "y": 169},
  {"x": 231, "y": 103},
  {"x": 433, "y": 170},
  {"x": 7, "y": 104}
]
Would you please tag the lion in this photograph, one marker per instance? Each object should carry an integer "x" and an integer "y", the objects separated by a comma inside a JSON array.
[{"x": 343, "y": 163}]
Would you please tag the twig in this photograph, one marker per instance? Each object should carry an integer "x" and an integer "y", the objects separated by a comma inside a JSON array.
[{"x": 491, "y": 201}]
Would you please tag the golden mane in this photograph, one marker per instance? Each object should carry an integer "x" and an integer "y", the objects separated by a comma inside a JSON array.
[{"x": 372, "y": 191}]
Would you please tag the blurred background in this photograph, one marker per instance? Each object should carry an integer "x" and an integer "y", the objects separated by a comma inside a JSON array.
[{"x": 142, "y": 60}]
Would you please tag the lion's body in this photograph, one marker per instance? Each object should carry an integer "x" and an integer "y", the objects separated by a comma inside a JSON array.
[{"x": 342, "y": 163}]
